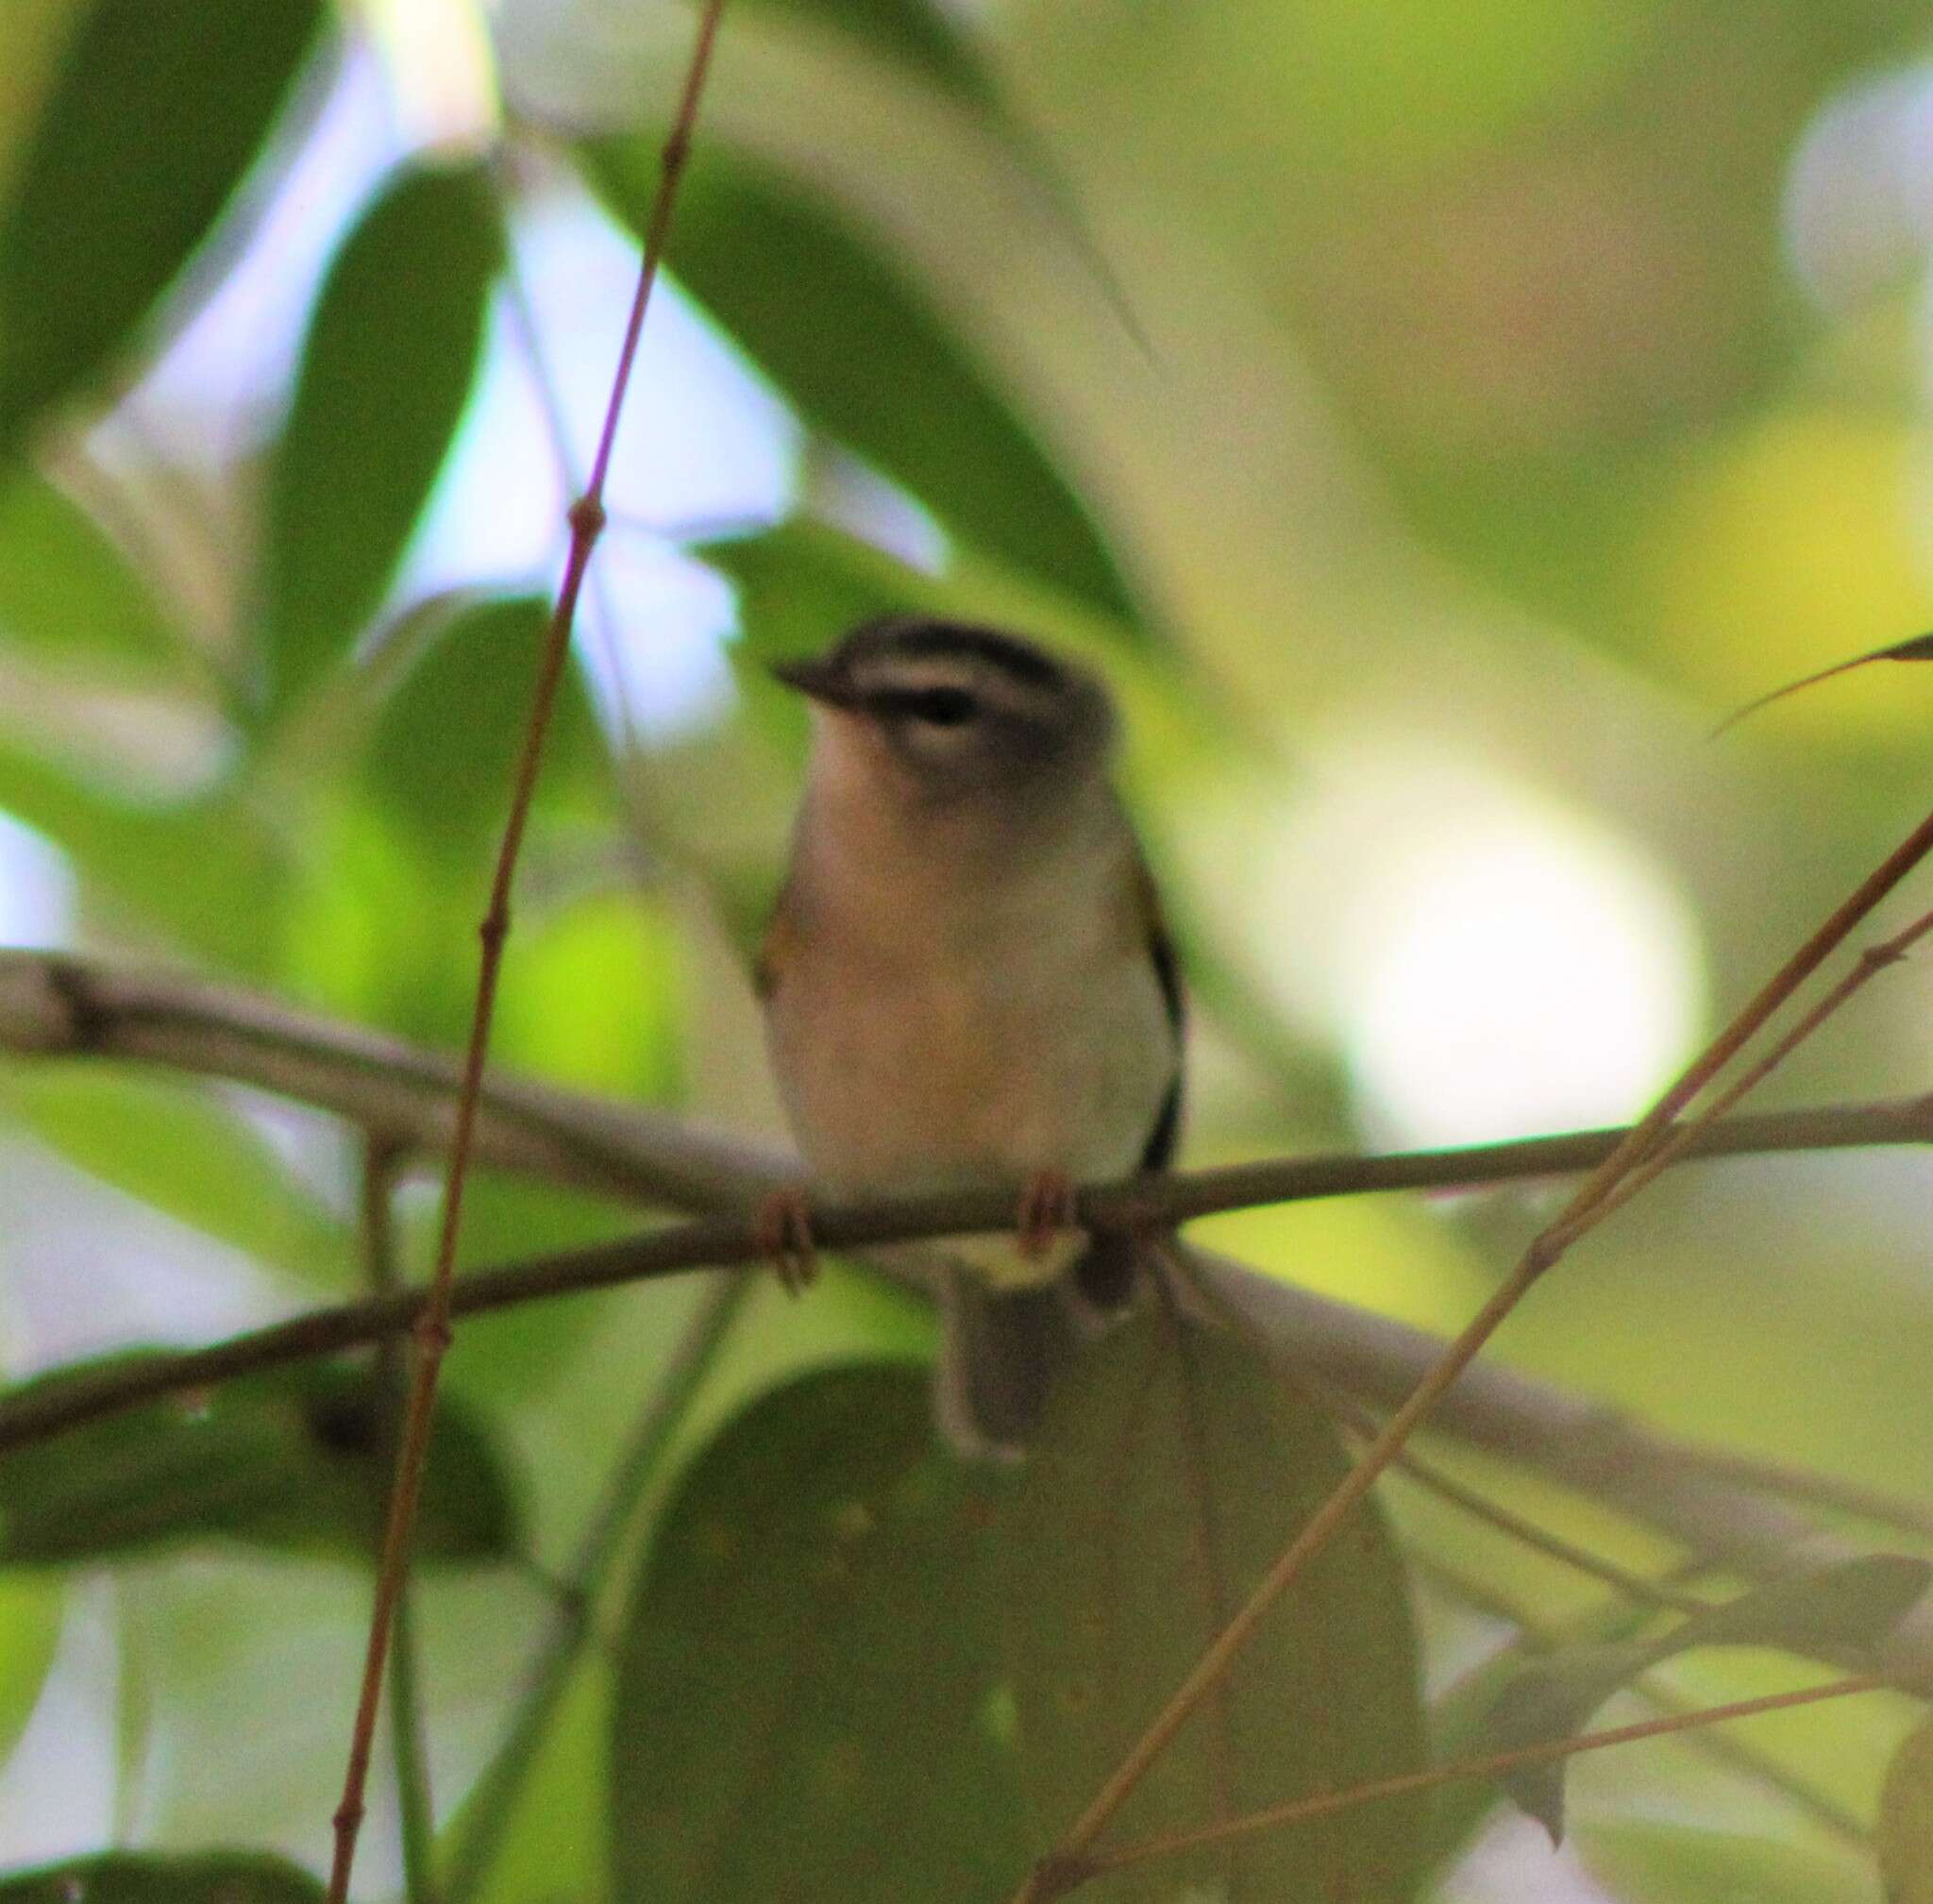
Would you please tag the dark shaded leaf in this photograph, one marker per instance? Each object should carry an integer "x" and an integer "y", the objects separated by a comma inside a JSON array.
[
  {"x": 806, "y": 1700},
  {"x": 156, "y": 115},
  {"x": 1826, "y": 1611},
  {"x": 289, "y": 1458},
  {"x": 441, "y": 756},
  {"x": 1172, "y": 1468},
  {"x": 152, "y": 1878},
  {"x": 1905, "y": 1831},
  {"x": 866, "y": 360},
  {"x": 387, "y": 370}
]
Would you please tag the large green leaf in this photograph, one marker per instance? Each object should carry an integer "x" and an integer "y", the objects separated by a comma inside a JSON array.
[
  {"x": 386, "y": 372},
  {"x": 152, "y": 1878},
  {"x": 1827, "y": 1612},
  {"x": 865, "y": 357},
  {"x": 1171, "y": 1469},
  {"x": 292, "y": 1458},
  {"x": 156, "y": 115},
  {"x": 806, "y": 1698}
]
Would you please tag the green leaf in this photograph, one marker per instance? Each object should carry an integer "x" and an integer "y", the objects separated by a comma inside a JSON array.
[
  {"x": 65, "y": 589},
  {"x": 205, "y": 871},
  {"x": 30, "y": 1608},
  {"x": 864, "y": 356},
  {"x": 149, "y": 1877},
  {"x": 179, "y": 1148},
  {"x": 806, "y": 1688},
  {"x": 292, "y": 1458},
  {"x": 156, "y": 117},
  {"x": 1904, "y": 1833},
  {"x": 1827, "y": 1612},
  {"x": 387, "y": 368},
  {"x": 1172, "y": 1468},
  {"x": 441, "y": 757},
  {"x": 918, "y": 32},
  {"x": 1691, "y": 1864}
]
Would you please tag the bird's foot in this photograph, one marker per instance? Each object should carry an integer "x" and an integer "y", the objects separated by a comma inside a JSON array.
[
  {"x": 1047, "y": 1208},
  {"x": 784, "y": 1221}
]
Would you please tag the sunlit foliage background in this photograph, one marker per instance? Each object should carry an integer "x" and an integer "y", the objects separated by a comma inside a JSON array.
[{"x": 1433, "y": 413}]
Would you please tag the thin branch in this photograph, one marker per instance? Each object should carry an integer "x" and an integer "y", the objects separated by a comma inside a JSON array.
[
  {"x": 57, "y": 1006},
  {"x": 1545, "y": 1251},
  {"x": 1740, "y": 1757},
  {"x": 491, "y": 1805},
  {"x": 1067, "y": 1874},
  {"x": 416, "y": 1810},
  {"x": 433, "y": 1329}
]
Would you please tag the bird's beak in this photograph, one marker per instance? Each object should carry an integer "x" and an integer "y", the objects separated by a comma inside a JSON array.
[{"x": 817, "y": 680}]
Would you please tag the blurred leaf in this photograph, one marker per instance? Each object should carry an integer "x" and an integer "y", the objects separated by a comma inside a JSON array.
[
  {"x": 1171, "y": 1469},
  {"x": 291, "y": 1458},
  {"x": 806, "y": 1691},
  {"x": 66, "y": 589},
  {"x": 151, "y": 1878},
  {"x": 554, "y": 1845},
  {"x": 1825, "y": 1611},
  {"x": 179, "y": 1148},
  {"x": 599, "y": 999},
  {"x": 1693, "y": 1864},
  {"x": 919, "y": 33},
  {"x": 30, "y": 1608},
  {"x": 514, "y": 1353},
  {"x": 386, "y": 373},
  {"x": 156, "y": 117},
  {"x": 1904, "y": 1833},
  {"x": 205, "y": 871},
  {"x": 446, "y": 741},
  {"x": 858, "y": 349}
]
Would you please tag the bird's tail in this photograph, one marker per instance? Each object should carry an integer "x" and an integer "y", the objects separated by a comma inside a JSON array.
[{"x": 1000, "y": 1351}]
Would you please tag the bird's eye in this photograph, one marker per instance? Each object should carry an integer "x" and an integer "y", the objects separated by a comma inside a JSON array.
[{"x": 941, "y": 706}]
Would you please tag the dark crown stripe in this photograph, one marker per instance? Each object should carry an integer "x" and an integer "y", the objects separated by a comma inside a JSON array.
[{"x": 941, "y": 640}]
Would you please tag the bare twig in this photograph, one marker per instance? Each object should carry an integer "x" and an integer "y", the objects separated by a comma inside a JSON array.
[
  {"x": 1068, "y": 1875},
  {"x": 416, "y": 1810},
  {"x": 1738, "y": 1756},
  {"x": 432, "y": 1328},
  {"x": 1546, "y": 1249}
]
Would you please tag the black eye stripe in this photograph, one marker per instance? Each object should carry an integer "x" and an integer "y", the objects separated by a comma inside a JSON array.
[{"x": 939, "y": 707}]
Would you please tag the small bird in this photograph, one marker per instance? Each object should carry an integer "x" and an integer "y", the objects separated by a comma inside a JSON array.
[{"x": 967, "y": 982}]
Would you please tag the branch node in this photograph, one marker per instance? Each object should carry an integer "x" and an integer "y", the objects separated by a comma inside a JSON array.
[
  {"x": 587, "y": 518},
  {"x": 433, "y": 1335},
  {"x": 494, "y": 928},
  {"x": 676, "y": 150}
]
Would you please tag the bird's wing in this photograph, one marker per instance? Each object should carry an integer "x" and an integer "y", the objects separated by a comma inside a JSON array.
[
  {"x": 782, "y": 937},
  {"x": 1159, "y": 1149}
]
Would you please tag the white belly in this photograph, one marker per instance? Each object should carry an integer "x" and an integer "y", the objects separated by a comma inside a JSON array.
[{"x": 921, "y": 1065}]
